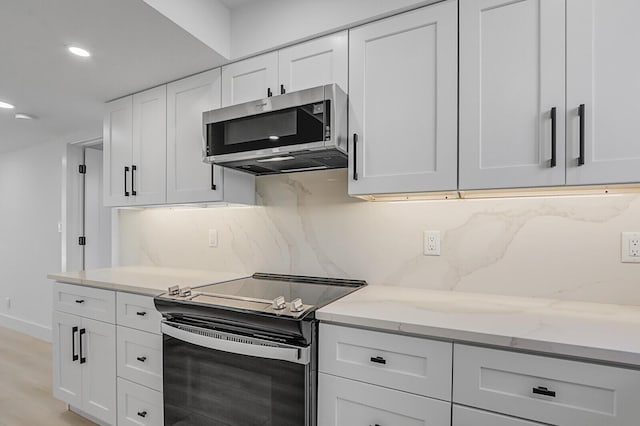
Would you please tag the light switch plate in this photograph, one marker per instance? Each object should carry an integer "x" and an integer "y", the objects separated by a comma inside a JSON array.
[{"x": 630, "y": 247}]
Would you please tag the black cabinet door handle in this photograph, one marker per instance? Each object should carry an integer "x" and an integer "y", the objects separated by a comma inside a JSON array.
[
  {"x": 141, "y": 314},
  {"x": 79, "y": 300},
  {"x": 378, "y": 360},
  {"x": 142, "y": 358},
  {"x": 126, "y": 191},
  {"x": 355, "y": 156},
  {"x": 581, "y": 114},
  {"x": 213, "y": 178},
  {"x": 142, "y": 414},
  {"x": 133, "y": 180},
  {"x": 553, "y": 137},
  {"x": 74, "y": 355},
  {"x": 269, "y": 93},
  {"x": 540, "y": 390},
  {"x": 83, "y": 359},
  {"x": 282, "y": 91}
]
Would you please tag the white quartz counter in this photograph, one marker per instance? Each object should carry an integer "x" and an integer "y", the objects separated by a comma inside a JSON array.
[
  {"x": 147, "y": 280},
  {"x": 595, "y": 331}
]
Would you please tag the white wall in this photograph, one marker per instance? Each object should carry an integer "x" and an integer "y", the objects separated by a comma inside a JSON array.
[
  {"x": 30, "y": 209},
  {"x": 560, "y": 247},
  {"x": 264, "y": 25}
]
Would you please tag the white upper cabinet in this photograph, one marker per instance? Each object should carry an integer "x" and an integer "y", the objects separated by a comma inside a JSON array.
[
  {"x": 315, "y": 63},
  {"x": 251, "y": 79},
  {"x": 188, "y": 178},
  {"x": 117, "y": 147},
  {"x": 403, "y": 102},
  {"x": 603, "y": 74},
  {"x": 512, "y": 85},
  {"x": 134, "y": 144},
  {"x": 148, "y": 164}
]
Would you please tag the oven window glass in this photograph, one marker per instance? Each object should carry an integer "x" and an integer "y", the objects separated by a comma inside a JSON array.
[
  {"x": 203, "y": 386},
  {"x": 292, "y": 126}
]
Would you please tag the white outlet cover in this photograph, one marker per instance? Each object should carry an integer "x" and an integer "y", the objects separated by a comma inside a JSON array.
[
  {"x": 431, "y": 243},
  {"x": 213, "y": 238},
  {"x": 630, "y": 247}
]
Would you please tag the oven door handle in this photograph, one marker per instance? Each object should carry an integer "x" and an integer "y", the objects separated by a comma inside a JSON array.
[{"x": 282, "y": 353}]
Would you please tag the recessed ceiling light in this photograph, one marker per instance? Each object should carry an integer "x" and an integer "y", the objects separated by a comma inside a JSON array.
[
  {"x": 79, "y": 51},
  {"x": 23, "y": 116},
  {"x": 6, "y": 105}
]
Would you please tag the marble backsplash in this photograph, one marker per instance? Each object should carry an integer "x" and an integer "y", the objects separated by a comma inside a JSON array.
[{"x": 560, "y": 247}]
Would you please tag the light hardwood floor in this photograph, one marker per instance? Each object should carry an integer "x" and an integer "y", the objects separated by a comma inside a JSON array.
[{"x": 26, "y": 397}]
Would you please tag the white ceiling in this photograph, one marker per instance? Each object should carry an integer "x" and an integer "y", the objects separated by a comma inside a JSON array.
[
  {"x": 134, "y": 47},
  {"x": 234, "y": 4}
]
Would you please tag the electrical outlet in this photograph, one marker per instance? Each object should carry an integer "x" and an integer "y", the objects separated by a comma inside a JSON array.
[
  {"x": 630, "y": 247},
  {"x": 432, "y": 243},
  {"x": 213, "y": 238}
]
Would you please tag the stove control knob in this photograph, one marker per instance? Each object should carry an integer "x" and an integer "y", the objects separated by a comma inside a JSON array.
[
  {"x": 279, "y": 303},
  {"x": 174, "y": 290},
  {"x": 297, "y": 305},
  {"x": 185, "y": 292}
]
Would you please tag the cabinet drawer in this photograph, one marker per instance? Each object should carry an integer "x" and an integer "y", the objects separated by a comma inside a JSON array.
[
  {"x": 140, "y": 357},
  {"x": 84, "y": 301},
  {"x": 465, "y": 416},
  {"x": 545, "y": 389},
  {"x": 344, "y": 402},
  {"x": 405, "y": 363},
  {"x": 138, "y": 405},
  {"x": 139, "y": 312}
]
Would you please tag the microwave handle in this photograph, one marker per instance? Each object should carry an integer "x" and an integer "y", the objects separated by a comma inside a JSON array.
[
  {"x": 281, "y": 353},
  {"x": 355, "y": 156}
]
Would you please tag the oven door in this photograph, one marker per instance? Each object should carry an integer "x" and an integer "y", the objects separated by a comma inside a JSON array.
[{"x": 223, "y": 379}]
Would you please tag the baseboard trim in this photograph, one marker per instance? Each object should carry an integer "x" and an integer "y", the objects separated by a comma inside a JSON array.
[{"x": 27, "y": 327}]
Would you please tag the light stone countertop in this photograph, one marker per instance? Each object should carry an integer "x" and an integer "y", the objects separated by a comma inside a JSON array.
[
  {"x": 594, "y": 331},
  {"x": 146, "y": 280}
]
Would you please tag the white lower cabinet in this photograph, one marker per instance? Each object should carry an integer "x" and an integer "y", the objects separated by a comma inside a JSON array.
[
  {"x": 344, "y": 402},
  {"x": 91, "y": 355},
  {"x": 465, "y": 416},
  {"x": 549, "y": 390},
  {"x": 85, "y": 365},
  {"x": 377, "y": 378},
  {"x": 139, "y": 405}
]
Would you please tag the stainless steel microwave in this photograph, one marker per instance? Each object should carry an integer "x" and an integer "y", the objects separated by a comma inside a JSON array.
[{"x": 294, "y": 132}]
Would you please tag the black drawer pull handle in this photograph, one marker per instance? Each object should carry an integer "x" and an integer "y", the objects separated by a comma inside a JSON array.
[
  {"x": 142, "y": 414},
  {"x": 74, "y": 355},
  {"x": 142, "y": 358},
  {"x": 581, "y": 114},
  {"x": 133, "y": 180},
  {"x": 554, "y": 143},
  {"x": 79, "y": 300},
  {"x": 540, "y": 390},
  {"x": 126, "y": 171},
  {"x": 141, "y": 313},
  {"x": 83, "y": 359},
  {"x": 378, "y": 360}
]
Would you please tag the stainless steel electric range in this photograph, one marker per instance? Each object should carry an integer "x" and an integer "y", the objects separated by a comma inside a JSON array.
[{"x": 244, "y": 352}]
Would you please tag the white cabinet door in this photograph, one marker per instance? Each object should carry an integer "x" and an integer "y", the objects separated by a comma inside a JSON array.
[
  {"x": 344, "y": 402},
  {"x": 512, "y": 74},
  {"x": 148, "y": 164},
  {"x": 188, "y": 178},
  {"x": 67, "y": 374},
  {"x": 315, "y": 63},
  {"x": 250, "y": 79},
  {"x": 117, "y": 146},
  {"x": 603, "y": 74},
  {"x": 403, "y": 102},
  {"x": 99, "y": 370},
  {"x": 465, "y": 416}
]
